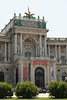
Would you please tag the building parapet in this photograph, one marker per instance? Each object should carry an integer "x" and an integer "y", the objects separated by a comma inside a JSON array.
[
  {"x": 57, "y": 39},
  {"x": 22, "y": 22}
]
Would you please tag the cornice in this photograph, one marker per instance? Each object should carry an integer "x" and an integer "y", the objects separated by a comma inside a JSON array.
[{"x": 29, "y": 30}]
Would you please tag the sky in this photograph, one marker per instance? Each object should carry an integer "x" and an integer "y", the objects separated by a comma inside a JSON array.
[{"x": 54, "y": 12}]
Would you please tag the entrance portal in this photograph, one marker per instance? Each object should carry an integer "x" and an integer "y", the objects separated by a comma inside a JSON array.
[
  {"x": 16, "y": 75},
  {"x": 1, "y": 77},
  {"x": 39, "y": 77}
]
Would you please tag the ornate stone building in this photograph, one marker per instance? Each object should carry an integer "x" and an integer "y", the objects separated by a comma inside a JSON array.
[{"x": 26, "y": 53}]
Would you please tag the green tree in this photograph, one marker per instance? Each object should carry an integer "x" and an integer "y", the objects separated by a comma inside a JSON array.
[
  {"x": 26, "y": 89},
  {"x": 58, "y": 89}
]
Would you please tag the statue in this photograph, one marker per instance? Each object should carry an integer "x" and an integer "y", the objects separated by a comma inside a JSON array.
[{"x": 29, "y": 14}]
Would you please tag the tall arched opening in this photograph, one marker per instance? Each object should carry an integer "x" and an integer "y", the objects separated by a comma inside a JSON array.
[
  {"x": 1, "y": 77},
  {"x": 64, "y": 75},
  {"x": 29, "y": 47},
  {"x": 39, "y": 77},
  {"x": 16, "y": 75}
]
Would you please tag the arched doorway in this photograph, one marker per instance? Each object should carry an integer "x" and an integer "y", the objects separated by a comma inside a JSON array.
[
  {"x": 1, "y": 77},
  {"x": 39, "y": 77},
  {"x": 16, "y": 75}
]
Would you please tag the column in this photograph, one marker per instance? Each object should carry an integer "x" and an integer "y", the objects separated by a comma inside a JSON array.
[
  {"x": 36, "y": 49},
  {"x": 56, "y": 51},
  {"x": 15, "y": 41},
  {"x": 66, "y": 54},
  {"x": 5, "y": 55},
  {"x": 40, "y": 40},
  {"x": 40, "y": 46},
  {"x": 59, "y": 55},
  {"x": 15, "y": 77},
  {"x": 45, "y": 46},
  {"x": 27, "y": 71},
  {"x": 32, "y": 74},
  {"x": 49, "y": 51},
  {"x": 9, "y": 52},
  {"x": 21, "y": 71},
  {"x": 21, "y": 44}
]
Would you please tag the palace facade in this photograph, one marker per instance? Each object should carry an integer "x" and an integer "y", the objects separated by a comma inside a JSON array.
[{"x": 27, "y": 54}]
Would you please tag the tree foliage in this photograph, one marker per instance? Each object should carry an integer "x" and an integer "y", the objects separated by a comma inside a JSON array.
[
  {"x": 26, "y": 89},
  {"x": 5, "y": 90},
  {"x": 58, "y": 89}
]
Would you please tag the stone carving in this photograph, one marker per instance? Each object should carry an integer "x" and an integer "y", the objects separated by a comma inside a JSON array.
[
  {"x": 39, "y": 24},
  {"x": 17, "y": 22},
  {"x": 44, "y": 25}
]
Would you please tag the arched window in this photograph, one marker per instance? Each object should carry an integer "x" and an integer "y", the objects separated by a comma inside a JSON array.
[
  {"x": 28, "y": 41},
  {"x": 64, "y": 75},
  {"x": 29, "y": 47},
  {"x": 1, "y": 77}
]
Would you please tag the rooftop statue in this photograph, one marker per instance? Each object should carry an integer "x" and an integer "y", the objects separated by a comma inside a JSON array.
[{"x": 29, "y": 14}]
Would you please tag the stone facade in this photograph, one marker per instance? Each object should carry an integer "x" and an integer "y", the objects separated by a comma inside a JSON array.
[{"x": 26, "y": 53}]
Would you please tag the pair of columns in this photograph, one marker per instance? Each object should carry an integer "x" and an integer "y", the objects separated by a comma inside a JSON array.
[
  {"x": 7, "y": 52},
  {"x": 57, "y": 51},
  {"x": 45, "y": 46},
  {"x": 40, "y": 46},
  {"x": 15, "y": 43}
]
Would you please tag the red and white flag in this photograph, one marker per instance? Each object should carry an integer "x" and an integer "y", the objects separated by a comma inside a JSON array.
[{"x": 28, "y": 9}]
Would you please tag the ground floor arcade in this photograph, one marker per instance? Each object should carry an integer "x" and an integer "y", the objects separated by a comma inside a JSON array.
[{"x": 39, "y": 72}]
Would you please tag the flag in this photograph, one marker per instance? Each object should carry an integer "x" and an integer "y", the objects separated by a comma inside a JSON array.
[
  {"x": 28, "y": 9},
  {"x": 24, "y": 72}
]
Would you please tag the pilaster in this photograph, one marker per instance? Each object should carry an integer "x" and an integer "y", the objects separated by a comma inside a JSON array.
[
  {"x": 9, "y": 52},
  {"x": 15, "y": 41},
  {"x": 45, "y": 46},
  {"x": 59, "y": 55},
  {"x": 49, "y": 51},
  {"x": 40, "y": 45},
  {"x": 21, "y": 44},
  {"x": 32, "y": 74},
  {"x": 56, "y": 51},
  {"x": 5, "y": 54},
  {"x": 21, "y": 71},
  {"x": 36, "y": 49}
]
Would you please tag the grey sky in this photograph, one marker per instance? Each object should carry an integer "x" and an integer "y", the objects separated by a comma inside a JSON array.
[{"x": 54, "y": 11}]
